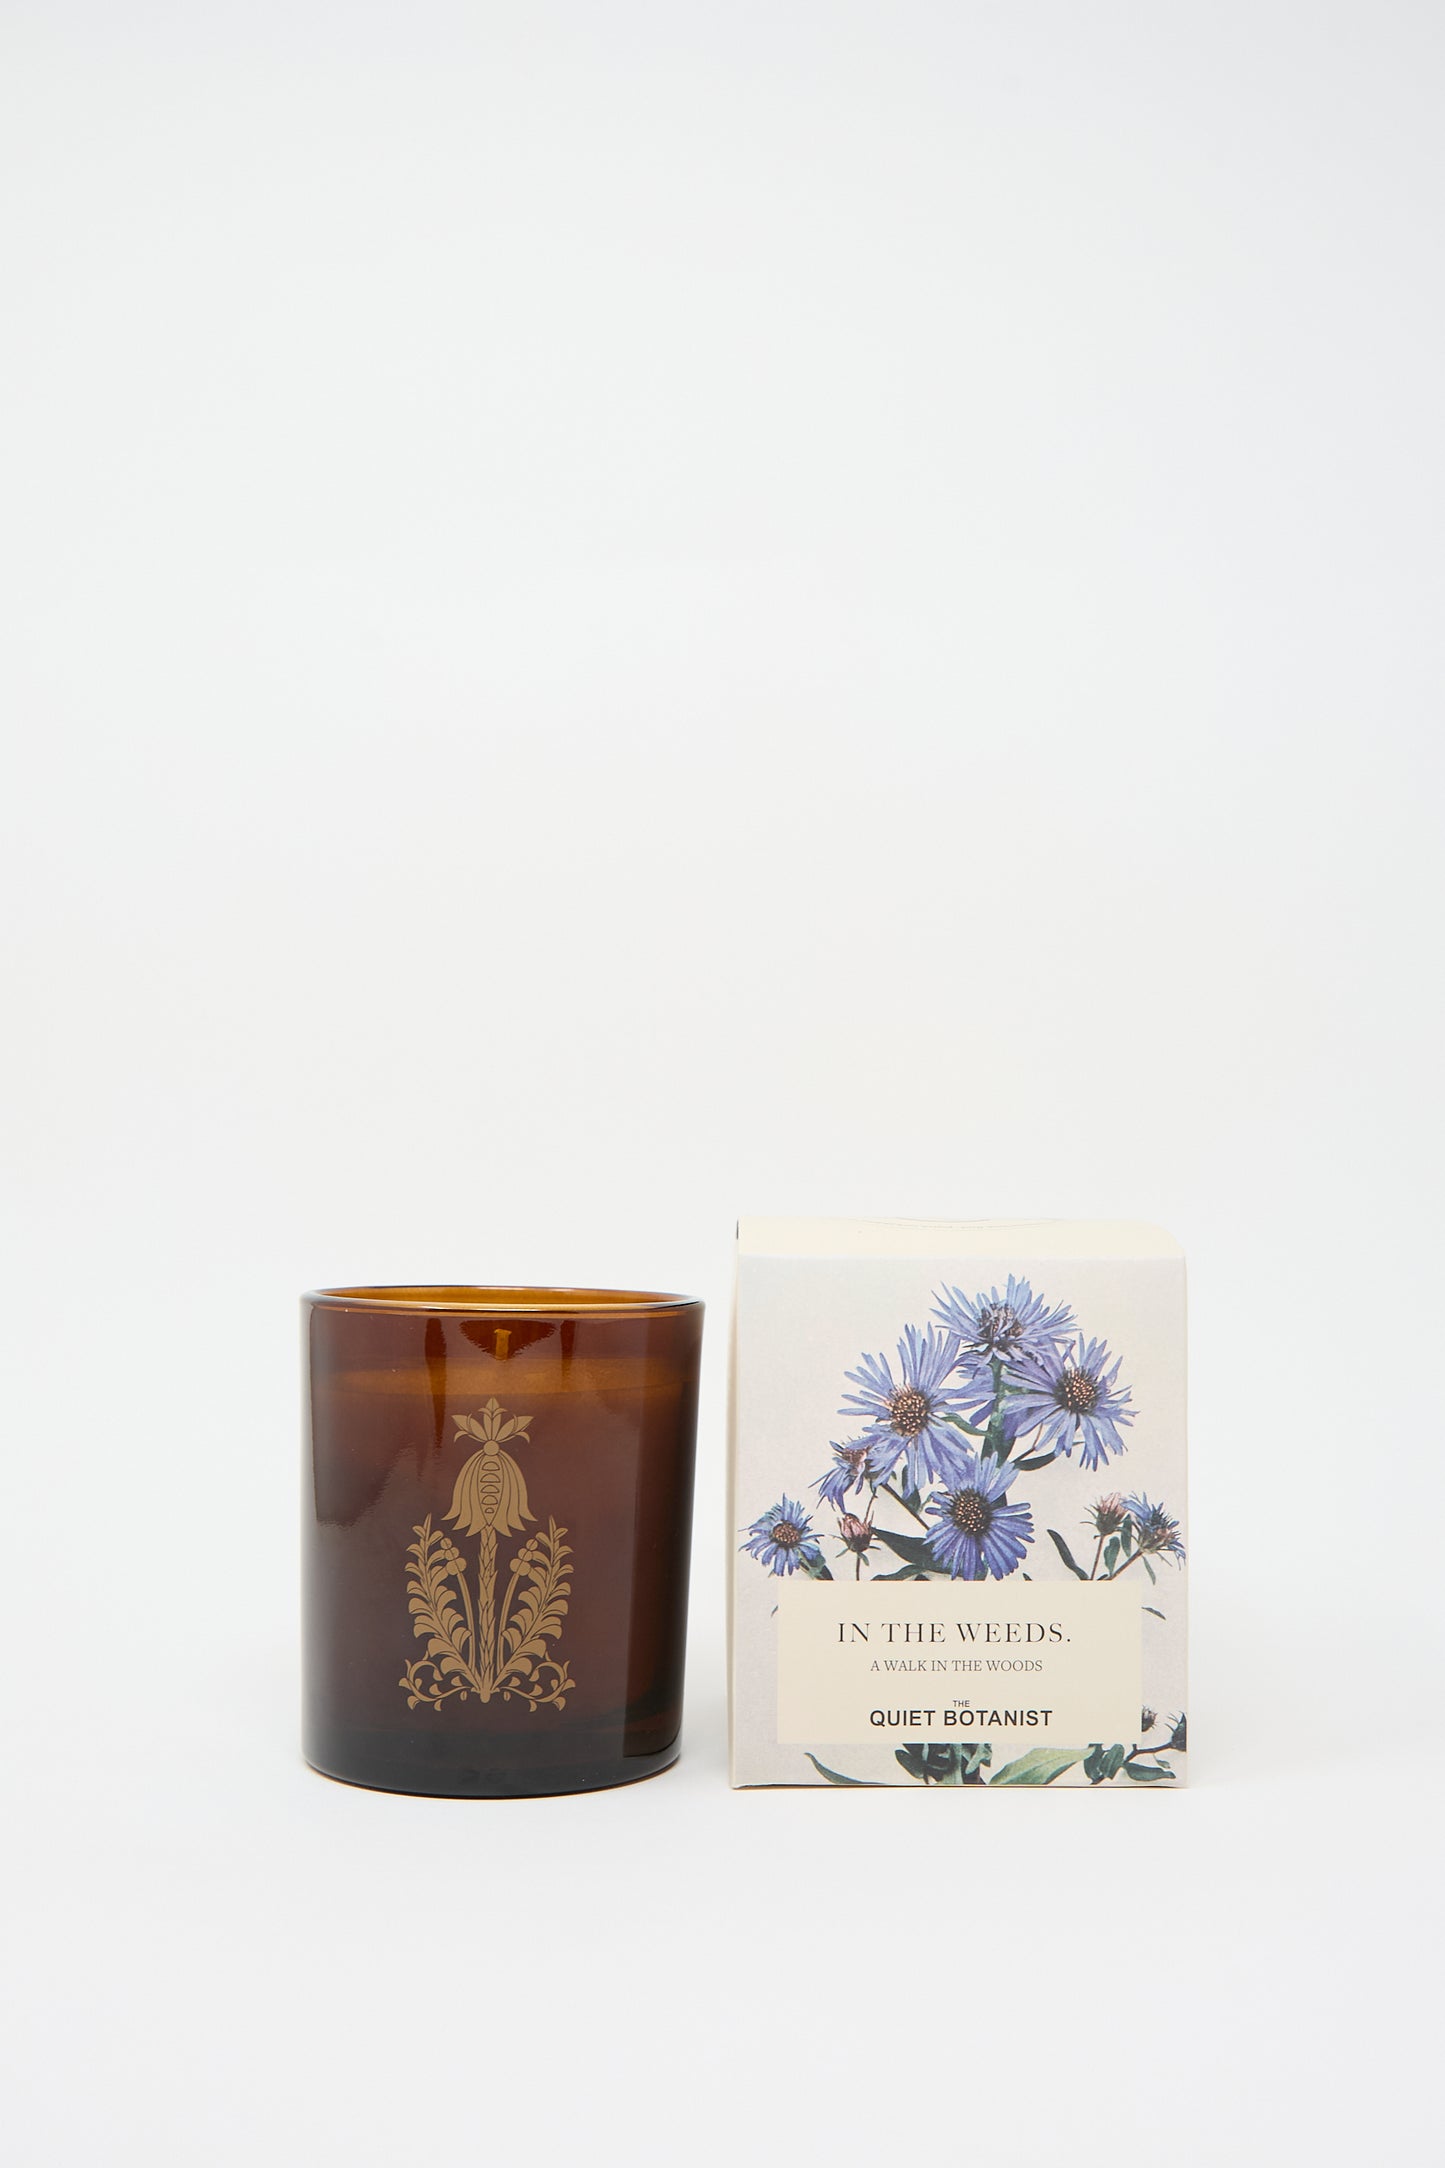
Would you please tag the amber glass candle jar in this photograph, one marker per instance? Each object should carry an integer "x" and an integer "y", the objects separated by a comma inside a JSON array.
[{"x": 497, "y": 1518}]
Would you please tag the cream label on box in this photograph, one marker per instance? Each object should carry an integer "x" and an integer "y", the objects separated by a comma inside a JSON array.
[{"x": 1019, "y": 1663}]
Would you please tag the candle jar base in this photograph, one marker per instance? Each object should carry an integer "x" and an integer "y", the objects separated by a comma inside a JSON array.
[{"x": 450, "y": 1769}]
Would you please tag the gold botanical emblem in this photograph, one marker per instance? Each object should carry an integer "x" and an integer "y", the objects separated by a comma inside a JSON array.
[{"x": 477, "y": 1647}]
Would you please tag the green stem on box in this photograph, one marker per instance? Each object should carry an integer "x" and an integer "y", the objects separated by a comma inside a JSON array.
[
  {"x": 1135, "y": 1752},
  {"x": 994, "y": 1440},
  {"x": 889, "y": 1492}
]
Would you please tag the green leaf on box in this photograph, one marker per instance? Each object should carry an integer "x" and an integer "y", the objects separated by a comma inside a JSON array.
[
  {"x": 1067, "y": 1555},
  {"x": 833, "y": 1776},
  {"x": 959, "y": 1763},
  {"x": 1041, "y": 1765},
  {"x": 913, "y": 1548}
]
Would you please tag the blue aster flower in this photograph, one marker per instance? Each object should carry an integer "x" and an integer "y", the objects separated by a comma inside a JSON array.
[
  {"x": 1155, "y": 1531},
  {"x": 783, "y": 1538},
  {"x": 1001, "y": 1327},
  {"x": 975, "y": 1530},
  {"x": 1071, "y": 1396},
  {"x": 908, "y": 1416},
  {"x": 849, "y": 1472}
]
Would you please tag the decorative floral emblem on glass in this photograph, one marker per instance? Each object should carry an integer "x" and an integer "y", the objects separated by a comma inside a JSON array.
[{"x": 475, "y": 1647}]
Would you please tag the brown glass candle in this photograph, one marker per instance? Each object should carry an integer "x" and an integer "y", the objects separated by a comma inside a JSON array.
[{"x": 497, "y": 1519}]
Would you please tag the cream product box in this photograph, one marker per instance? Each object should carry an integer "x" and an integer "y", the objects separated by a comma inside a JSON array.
[{"x": 957, "y": 1499}]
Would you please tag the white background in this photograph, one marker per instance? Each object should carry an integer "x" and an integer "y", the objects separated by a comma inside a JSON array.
[{"x": 616, "y": 613}]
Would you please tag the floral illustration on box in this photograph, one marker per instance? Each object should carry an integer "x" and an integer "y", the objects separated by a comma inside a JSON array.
[
  {"x": 478, "y": 1647},
  {"x": 996, "y": 1386}
]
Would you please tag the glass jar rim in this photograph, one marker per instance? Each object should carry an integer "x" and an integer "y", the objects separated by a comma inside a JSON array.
[{"x": 463, "y": 1301}]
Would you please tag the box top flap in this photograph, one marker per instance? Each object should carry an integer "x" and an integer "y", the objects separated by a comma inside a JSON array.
[{"x": 1003, "y": 1239}]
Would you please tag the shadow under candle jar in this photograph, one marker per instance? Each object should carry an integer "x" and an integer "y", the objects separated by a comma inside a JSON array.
[{"x": 497, "y": 1522}]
